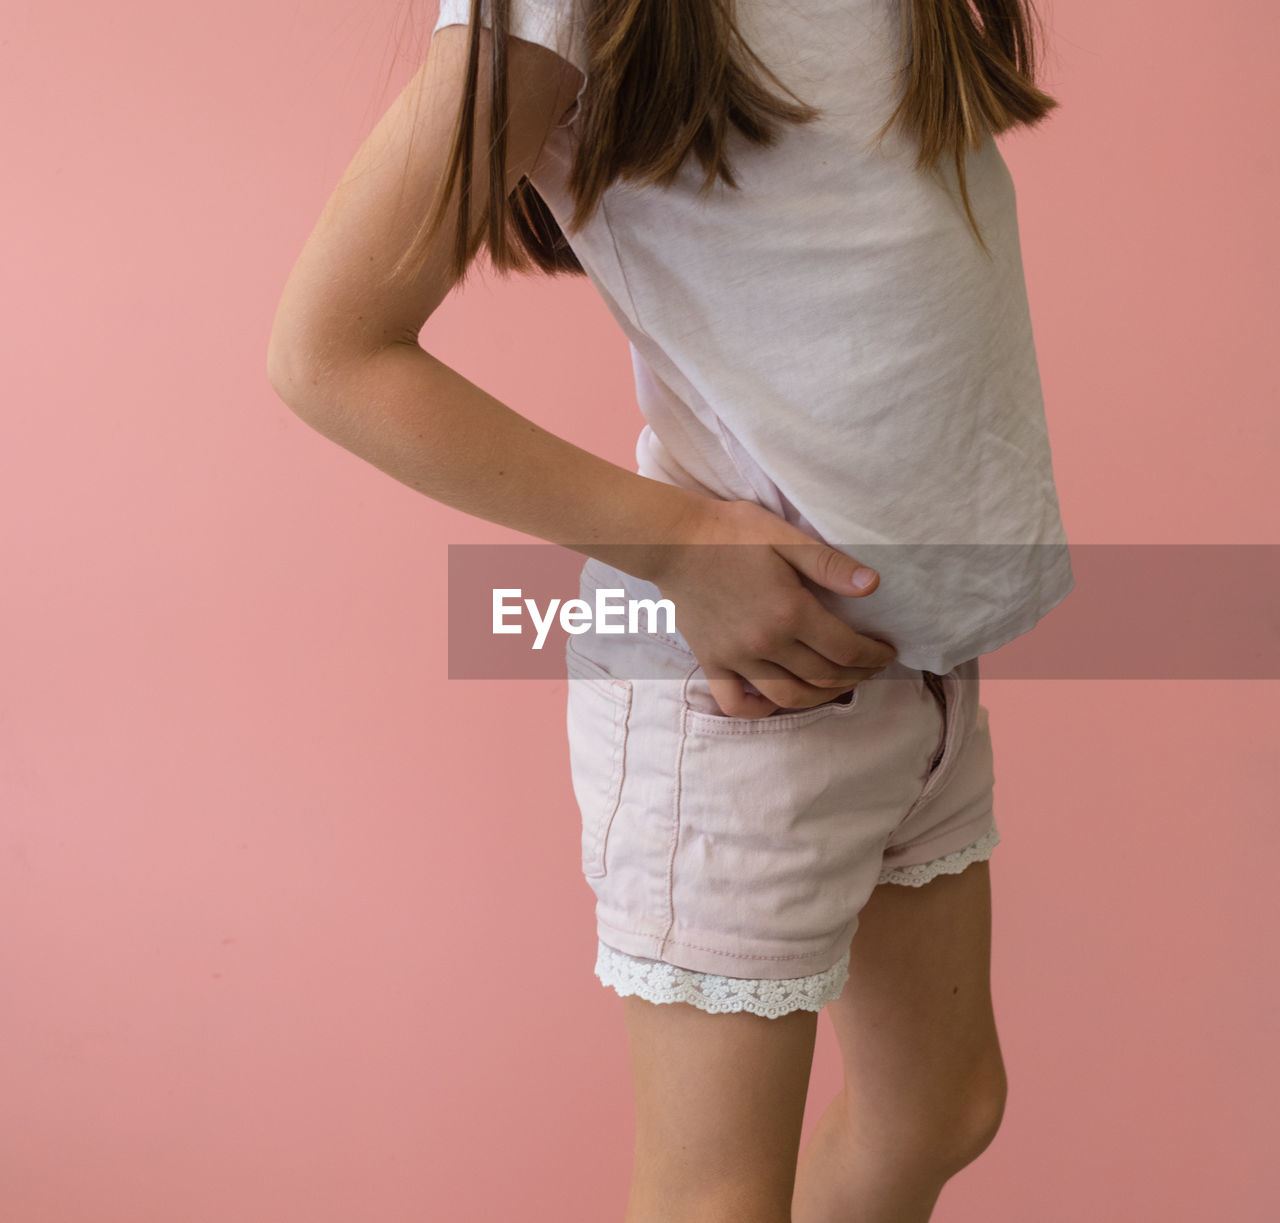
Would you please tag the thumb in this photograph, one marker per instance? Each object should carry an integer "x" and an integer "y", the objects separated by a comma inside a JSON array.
[{"x": 828, "y": 566}]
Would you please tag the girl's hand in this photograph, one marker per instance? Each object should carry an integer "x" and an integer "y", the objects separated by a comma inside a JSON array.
[{"x": 736, "y": 574}]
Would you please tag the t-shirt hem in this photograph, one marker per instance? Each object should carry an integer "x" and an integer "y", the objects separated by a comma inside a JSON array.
[{"x": 944, "y": 653}]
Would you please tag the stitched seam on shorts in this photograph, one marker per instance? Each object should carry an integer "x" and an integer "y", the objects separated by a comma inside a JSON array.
[
  {"x": 985, "y": 821},
  {"x": 675, "y": 809},
  {"x": 941, "y": 773},
  {"x": 627, "y": 930},
  {"x": 736, "y": 955},
  {"x": 715, "y": 725}
]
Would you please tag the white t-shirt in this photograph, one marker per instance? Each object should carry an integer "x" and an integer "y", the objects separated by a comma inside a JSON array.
[{"x": 830, "y": 341}]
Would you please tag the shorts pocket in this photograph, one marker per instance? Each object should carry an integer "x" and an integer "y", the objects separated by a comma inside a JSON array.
[
  {"x": 704, "y": 716},
  {"x": 599, "y": 711},
  {"x": 776, "y": 816}
]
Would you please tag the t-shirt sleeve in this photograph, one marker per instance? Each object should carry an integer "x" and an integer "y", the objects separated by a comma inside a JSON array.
[{"x": 554, "y": 24}]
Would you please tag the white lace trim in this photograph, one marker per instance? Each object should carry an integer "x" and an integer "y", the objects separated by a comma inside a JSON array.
[
  {"x": 950, "y": 864},
  {"x": 661, "y": 982},
  {"x": 657, "y": 981}
]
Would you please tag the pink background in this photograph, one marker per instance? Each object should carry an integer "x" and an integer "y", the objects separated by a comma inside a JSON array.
[{"x": 292, "y": 928}]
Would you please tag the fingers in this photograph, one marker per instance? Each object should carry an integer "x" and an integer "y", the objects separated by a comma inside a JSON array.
[
  {"x": 733, "y": 699},
  {"x": 839, "y": 642},
  {"x": 800, "y": 655},
  {"x": 804, "y": 677},
  {"x": 776, "y": 687},
  {"x": 795, "y": 626},
  {"x": 827, "y": 566}
]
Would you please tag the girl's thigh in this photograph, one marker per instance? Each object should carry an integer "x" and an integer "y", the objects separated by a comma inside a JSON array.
[{"x": 719, "y": 1104}]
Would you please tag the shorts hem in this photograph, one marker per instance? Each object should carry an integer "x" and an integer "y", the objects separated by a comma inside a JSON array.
[
  {"x": 659, "y": 982},
  {"x": 918, "y": 874},
  {"x": 699, "y": 951}
]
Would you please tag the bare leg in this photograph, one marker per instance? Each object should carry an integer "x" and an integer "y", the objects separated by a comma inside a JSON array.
[
  {"x": 924, "y": 1081},
  {"x": 719, "y": 1105}
]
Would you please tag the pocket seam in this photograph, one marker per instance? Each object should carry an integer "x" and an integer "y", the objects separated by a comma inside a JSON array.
[
  {"x": 725, "y": 724},
  {"x": 598, "y": 820}
]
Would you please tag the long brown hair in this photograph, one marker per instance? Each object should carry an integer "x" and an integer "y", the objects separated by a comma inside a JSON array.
[{"x": 666, "y": 80}]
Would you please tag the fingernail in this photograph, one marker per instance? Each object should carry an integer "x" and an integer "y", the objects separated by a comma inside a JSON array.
[{"x": 862, "y": 578}]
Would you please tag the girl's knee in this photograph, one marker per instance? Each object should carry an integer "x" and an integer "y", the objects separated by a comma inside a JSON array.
[
  {"x": 984, "y": 1115},
  {"x": 941, "y": 1135}
]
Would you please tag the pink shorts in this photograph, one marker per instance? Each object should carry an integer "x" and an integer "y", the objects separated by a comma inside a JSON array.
[{"x": 729, "y": 856}]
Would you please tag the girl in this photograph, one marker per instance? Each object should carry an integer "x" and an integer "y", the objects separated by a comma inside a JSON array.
[{"x": 833, "y": 354}]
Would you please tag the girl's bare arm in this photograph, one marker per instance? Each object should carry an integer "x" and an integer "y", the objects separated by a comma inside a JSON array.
[
  {"x": 345, "y": 356},
  {"x": 415, "y": 418}
]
